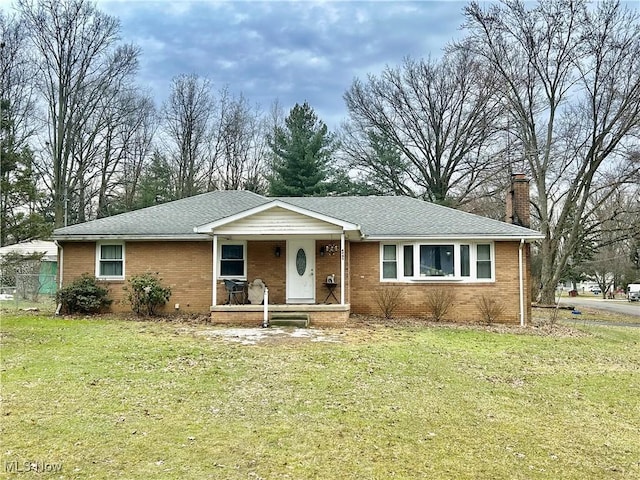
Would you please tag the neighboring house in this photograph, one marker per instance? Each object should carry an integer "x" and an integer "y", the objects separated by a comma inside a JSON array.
[
  {"x": 48, "y": 263},
  {"x": 294, "y": 244}
]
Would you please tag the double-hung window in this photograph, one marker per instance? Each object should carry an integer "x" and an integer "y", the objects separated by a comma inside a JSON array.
[
  {"x": 409, "y": 262},
  {"x": 110, "y": 261},
  {"x": 389, "y": 262},
  {"x": 483, "y": 261},
  {"x": 233, "y": 260}
]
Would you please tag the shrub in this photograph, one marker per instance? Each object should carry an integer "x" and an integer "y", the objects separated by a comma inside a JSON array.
[
  {"x": 83, "y": 295},
  {"x": 145, "y": 293},
  {"x": 439, "y": 301},
  {"x": 489, "y": 309},
  {"x": 388, "y": 298}
]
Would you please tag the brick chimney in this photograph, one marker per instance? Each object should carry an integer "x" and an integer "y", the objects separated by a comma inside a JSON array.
[{"x": 518, "y": 201}]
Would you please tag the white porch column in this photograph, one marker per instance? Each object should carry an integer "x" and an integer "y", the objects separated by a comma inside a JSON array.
[
  {"x": 214, "y": 270},
  {"x": 342, "y": 263}
]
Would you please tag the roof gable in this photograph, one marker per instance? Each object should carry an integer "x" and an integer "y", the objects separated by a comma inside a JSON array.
[{"x": 277, "y": 217}]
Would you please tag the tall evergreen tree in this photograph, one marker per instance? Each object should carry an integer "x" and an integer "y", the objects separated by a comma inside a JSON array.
[
  {"x": 302, "y": 149},
  {"x": 156, "y": 185}
]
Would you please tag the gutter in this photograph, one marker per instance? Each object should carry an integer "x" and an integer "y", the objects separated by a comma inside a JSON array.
[
  {"x": 521, "y": 280},
  {"x": 458, "y": 237},
  {"x": 60, "y": 262},
  {"x": 132, "y": 238}
]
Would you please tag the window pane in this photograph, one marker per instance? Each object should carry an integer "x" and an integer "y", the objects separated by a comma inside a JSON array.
[
  {"x": 484, "y": 269},
  {"x": 484, "y": 261},
  {"x": 233, "y": 252},
  {"x": 436, "y": 260},
  {"x": 389, "y": 270},
  {"x": 408, "y": 260},
  {"x": 465, "y": 262},
  {"x": 484, "y": 252},
  {"x": 232, "y": 268},
  {"x": 111, "y": 269},
  {"x": 111, "y": 252},
  {"x": 389, "y": 252},
  {"x": 389, "y": 265}
]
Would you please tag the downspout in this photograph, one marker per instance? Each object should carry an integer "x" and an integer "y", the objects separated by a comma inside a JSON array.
[
  {"x": 60, "y": 262},
  {"x": 60, "y": 273},
  {"x": 521, "y": 275},
  {"x": 214, "y": 271},
  {"x": 342, "y": 261}
]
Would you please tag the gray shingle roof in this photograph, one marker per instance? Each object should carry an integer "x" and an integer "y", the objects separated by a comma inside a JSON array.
[
  {"x": 377, "y": 217},
  {"x": 407, "y": 217},
  {"x": 175, "y": 218}
]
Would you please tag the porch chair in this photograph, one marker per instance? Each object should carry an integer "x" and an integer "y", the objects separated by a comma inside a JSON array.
[{"x": 235, "y": 291}]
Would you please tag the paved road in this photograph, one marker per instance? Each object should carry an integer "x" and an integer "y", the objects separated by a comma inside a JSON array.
[{"x": 617, "y": 306}]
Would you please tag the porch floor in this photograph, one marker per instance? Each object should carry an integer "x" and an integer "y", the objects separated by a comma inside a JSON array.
[{"x": 319, "y": 314}]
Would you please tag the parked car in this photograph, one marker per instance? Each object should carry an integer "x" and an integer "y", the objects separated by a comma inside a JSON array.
[
  {"x": 596, "y": 290},
  {"x": 633, "y": 292}
]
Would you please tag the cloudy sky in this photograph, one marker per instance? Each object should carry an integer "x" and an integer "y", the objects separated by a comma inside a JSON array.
[{"x": 291, "y": 51}]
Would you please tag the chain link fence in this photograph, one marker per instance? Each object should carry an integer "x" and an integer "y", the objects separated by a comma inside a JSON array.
[
  {"x": 27, "y": 281},
  {"x": 31, "y": 290}
]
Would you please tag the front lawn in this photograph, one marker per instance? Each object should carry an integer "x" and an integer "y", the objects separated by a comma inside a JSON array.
[{"x": 104, "y": 399}]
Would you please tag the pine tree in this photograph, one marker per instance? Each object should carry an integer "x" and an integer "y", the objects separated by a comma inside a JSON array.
[{"x": 302, "y": 149}]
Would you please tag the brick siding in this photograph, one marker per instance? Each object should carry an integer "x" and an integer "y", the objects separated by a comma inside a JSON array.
[
  {"x": 365, "y": 275},
  {"x": 184, "y": 266},
  {"x": 187, "y": 268}
]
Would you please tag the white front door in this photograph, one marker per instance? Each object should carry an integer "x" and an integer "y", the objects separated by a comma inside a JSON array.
[{"x": 301, "y": 266}]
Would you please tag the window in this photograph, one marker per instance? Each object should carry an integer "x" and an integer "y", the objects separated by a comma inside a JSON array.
[
  {"x": 465, "y": 261},
  {"x": 483, "y": 263},
  {"x": 232, "y": 260},
  {"x": 411, "y": 262},
  {"x": 110, "y": 260},
  {"x": 408, "y": 260},
  {"x": 389, "y": 262},
  {"x": 436, "y": 261}
]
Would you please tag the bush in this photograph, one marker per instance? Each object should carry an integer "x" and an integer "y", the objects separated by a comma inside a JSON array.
[
  {"x": 145, "y": 293},
  {"x": 83, "y": 295},
  {"x": 388, "y": 299},
  {"x": 489, "y": 309},
  {"x": 439, "y": 301}
]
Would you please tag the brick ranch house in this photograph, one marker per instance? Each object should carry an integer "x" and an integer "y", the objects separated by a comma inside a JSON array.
[{"x": 293, "y": 245}]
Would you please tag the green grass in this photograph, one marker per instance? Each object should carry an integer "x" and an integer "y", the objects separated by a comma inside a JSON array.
[{"x": 123, "y": 399}]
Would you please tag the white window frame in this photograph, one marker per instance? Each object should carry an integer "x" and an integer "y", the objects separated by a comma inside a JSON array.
[
  {"x": 383, "y": 261},
  {"x": 244, "y": 253},
  {"x": 492, "y": 261},
  {"x": 457, "y": 266},
  {"x": 99, "y": 260}
]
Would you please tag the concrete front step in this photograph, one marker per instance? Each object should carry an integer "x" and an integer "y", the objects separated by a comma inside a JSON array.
[{"x": 300, "y": 320}]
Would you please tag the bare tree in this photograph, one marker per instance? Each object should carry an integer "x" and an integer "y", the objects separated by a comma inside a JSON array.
[
  {"x": 425, "y": 129},
  {"x": 570, "y": 77},
  {"x": 187, "y": 117},
  {"x": 16, "y": 85},
  {"x": 239, "y": 145},
  {"x": 136, "y": 136},
  {"x": 612, "y": 227},
  {"x": 126, "y": 143},
  {"x": 78, "y": 61},
  {"x": 20, "y": 207}
]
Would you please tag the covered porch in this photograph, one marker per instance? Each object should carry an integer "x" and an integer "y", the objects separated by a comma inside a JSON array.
[{"x": 301, "y": 258}]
